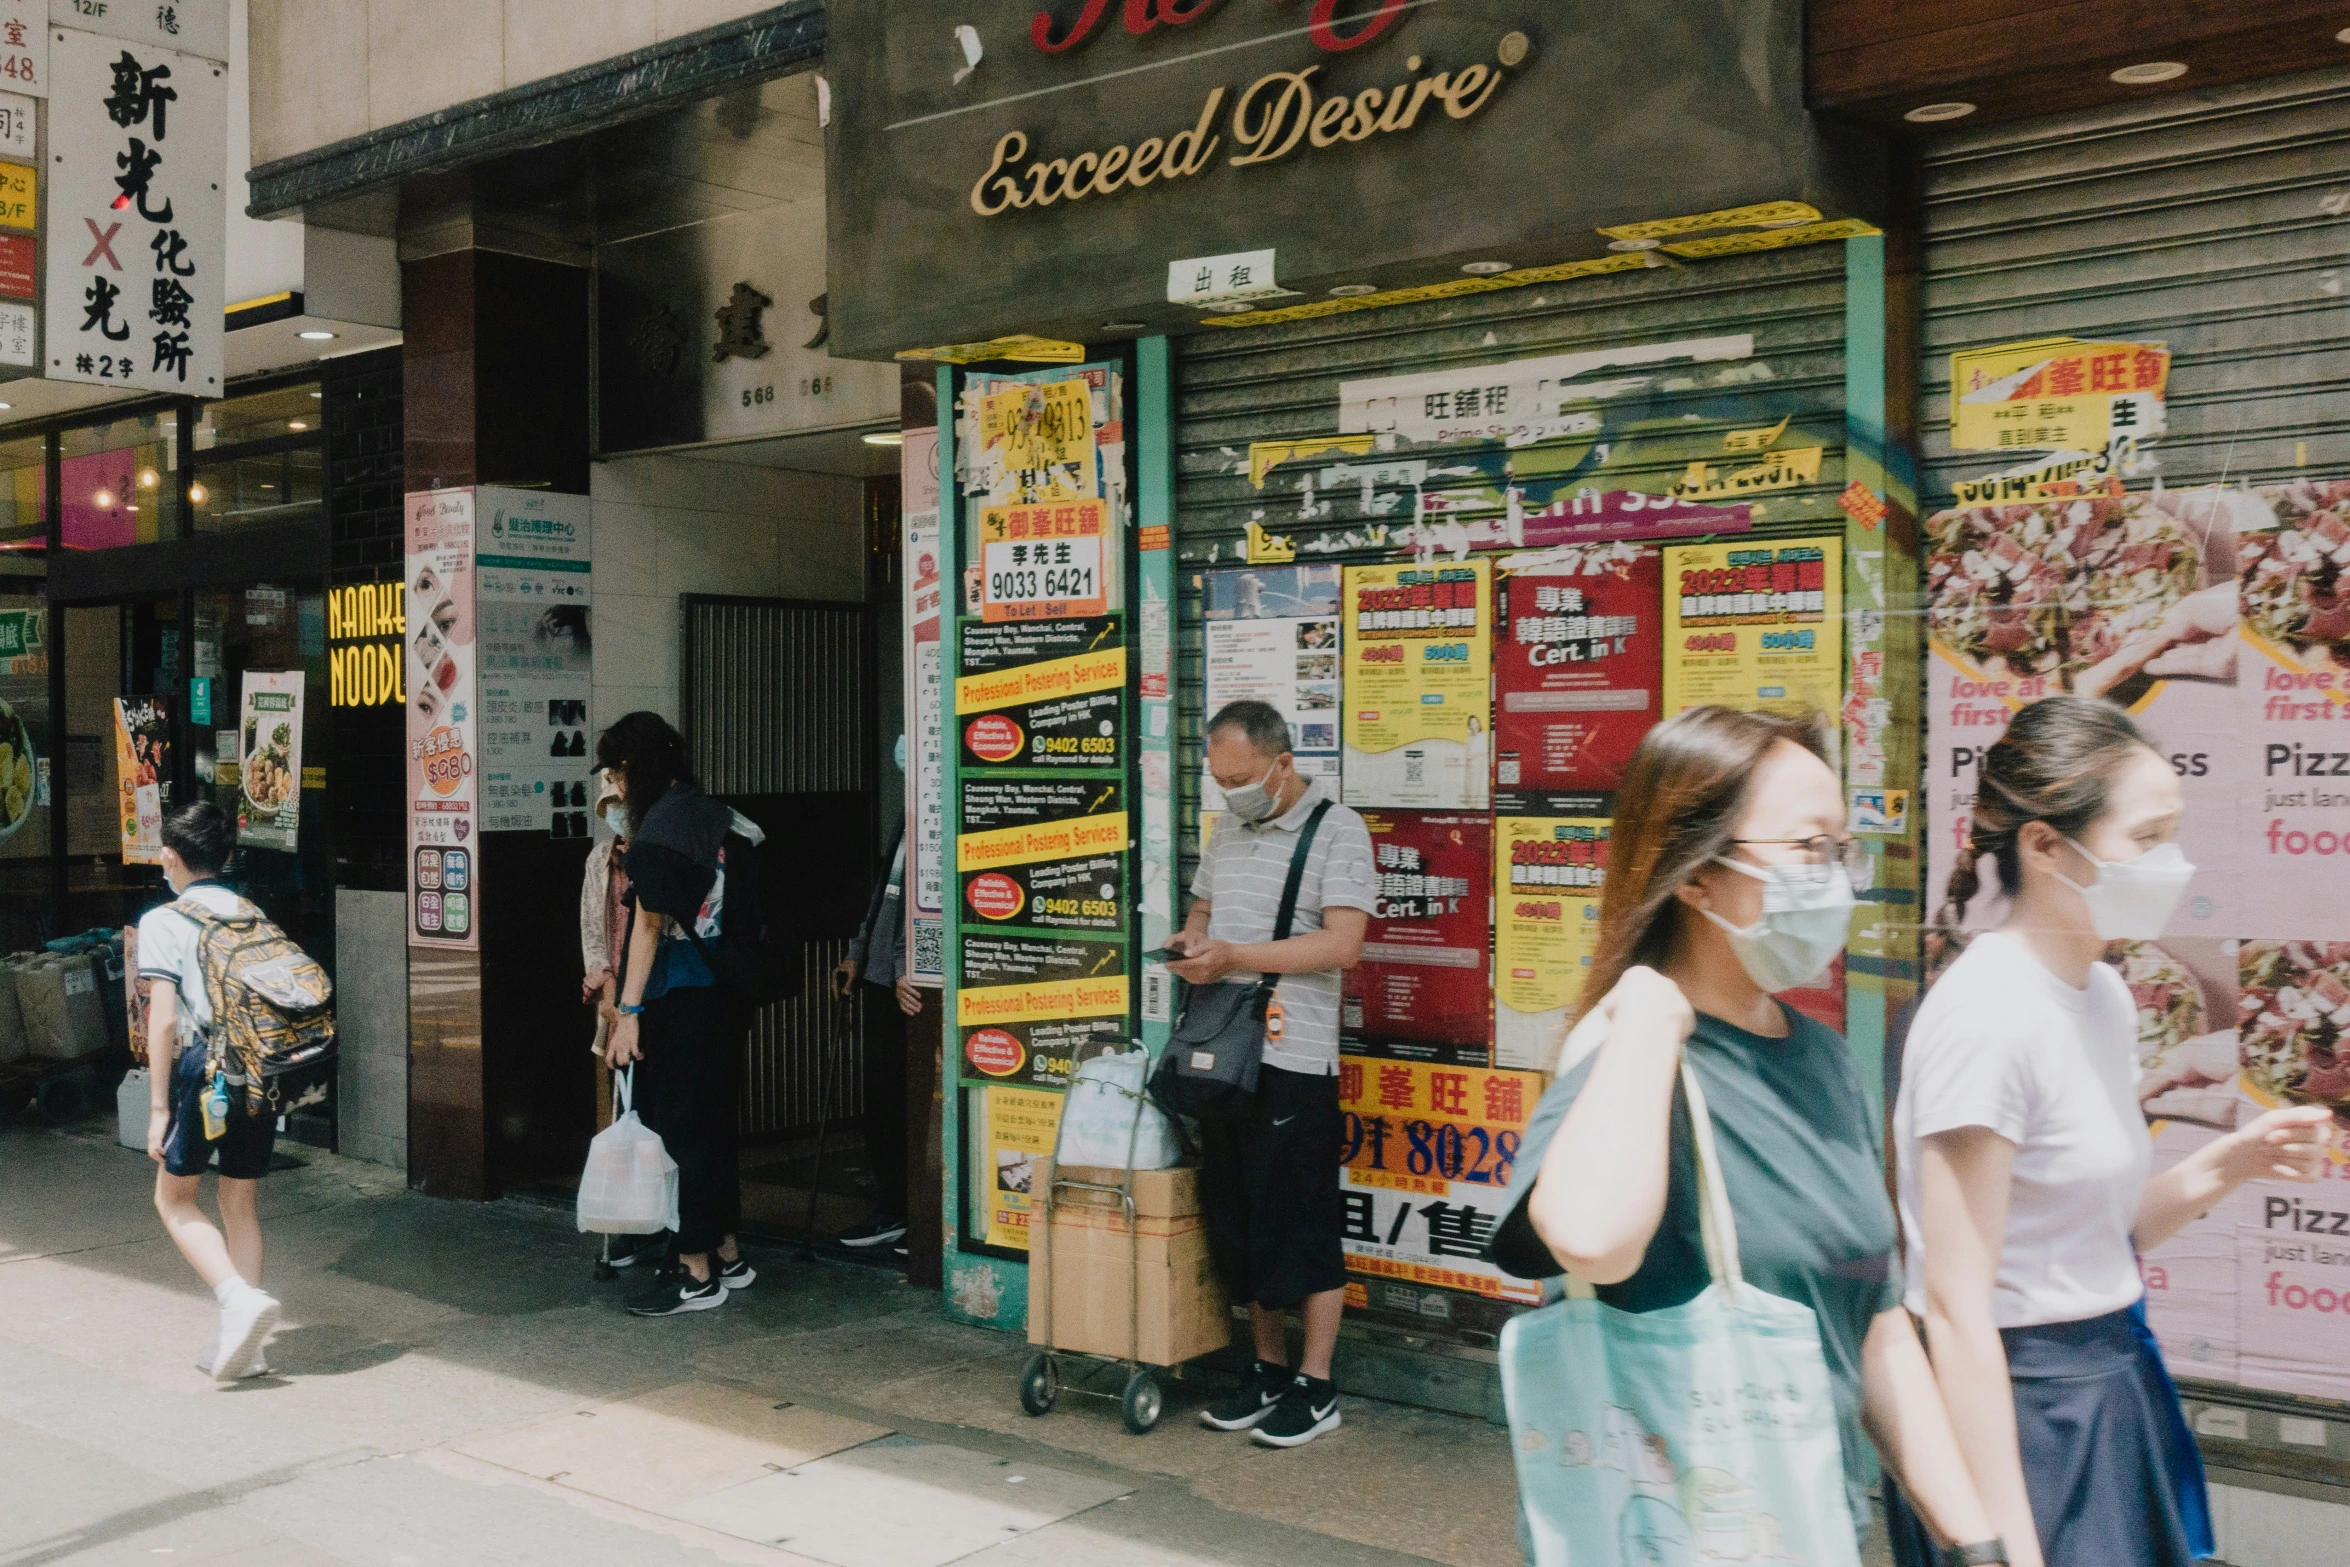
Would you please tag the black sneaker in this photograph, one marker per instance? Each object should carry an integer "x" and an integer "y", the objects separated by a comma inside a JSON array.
[
  {"x": 629, "y": 1250},
  {"x": 735, "y": 1275},
  {"x": 1251, "y": 1402},
  {"x": 687, "y": 1294},
  {"x": 1306, "y": 1410},
  {"x": 875, "y": 1229}
]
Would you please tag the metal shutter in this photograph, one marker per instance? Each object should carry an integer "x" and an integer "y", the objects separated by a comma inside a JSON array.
[
  {"x": 1235, "y": 386},
  {"x": 2213, "y": 221}
]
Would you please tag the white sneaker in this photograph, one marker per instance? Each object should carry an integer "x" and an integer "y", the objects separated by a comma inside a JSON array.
[
  {"x": 245, "y": 1324},
  {"x": 259, "y": 1368}
]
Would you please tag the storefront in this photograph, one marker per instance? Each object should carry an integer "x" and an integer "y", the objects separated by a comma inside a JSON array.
[{"x": 1474, "y": 478}]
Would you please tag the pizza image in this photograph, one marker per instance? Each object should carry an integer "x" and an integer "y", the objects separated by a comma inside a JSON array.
[
  {"x": 2139, "y": 563},
  {"x": 2054, "y": 587},
  {"x": 2293, "y": 1021},
  {"x": 2294, "y": 593},
  {"x": 2186, "y": 1068}
]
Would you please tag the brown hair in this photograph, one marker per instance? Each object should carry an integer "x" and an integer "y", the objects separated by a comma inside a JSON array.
[
  {"x": 1676, "y": 809},
  {"x": 2055, "y": 764}
]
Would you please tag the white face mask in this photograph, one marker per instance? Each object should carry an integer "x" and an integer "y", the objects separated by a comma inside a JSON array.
[
  {"x": 1253, "y": 802},
  {"x": 2132, "y": 900},
  {"x": 1807, "y": 912},
  {"x": 616, "y": 818}
]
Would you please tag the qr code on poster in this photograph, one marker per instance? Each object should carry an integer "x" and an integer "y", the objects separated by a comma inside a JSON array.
[{"x": 930, "y": 947}]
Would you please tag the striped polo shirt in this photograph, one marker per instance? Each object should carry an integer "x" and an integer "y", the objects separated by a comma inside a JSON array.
[{"x": 1240, "y": 878}]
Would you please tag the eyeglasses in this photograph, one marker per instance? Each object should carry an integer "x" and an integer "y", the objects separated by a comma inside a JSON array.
[{"x": 1824, "y": 850}]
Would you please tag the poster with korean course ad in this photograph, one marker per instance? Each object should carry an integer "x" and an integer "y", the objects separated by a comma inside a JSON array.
[
  {"x": 1547, "y": 873},
  {"x": 269, "y": 760},
  {"x": 1421, "y": 988},
  {"x": 1577, "y": 668},
  {"x": 1428, "y": 1155},
  {"x": 1756, "y": 626},
  {"x": 1271, "y": 635},
  {"x": 1418, "y": 657},
  {"x": 444, "y": 827}
]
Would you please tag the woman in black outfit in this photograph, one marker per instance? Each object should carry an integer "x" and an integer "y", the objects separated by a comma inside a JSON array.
[{"x": 676, "y": 1020}]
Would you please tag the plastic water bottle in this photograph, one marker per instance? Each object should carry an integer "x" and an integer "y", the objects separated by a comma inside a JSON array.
[{"x": 216, "y": 1108}]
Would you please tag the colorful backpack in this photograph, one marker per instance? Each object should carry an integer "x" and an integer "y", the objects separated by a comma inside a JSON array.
[{"x": 272, "y": 1005}]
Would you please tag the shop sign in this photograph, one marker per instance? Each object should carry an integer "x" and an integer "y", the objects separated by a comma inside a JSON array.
[
  {"x": 19, "y": 201},
  {"x": 444, "y": 748},
  {"x": 1417, "y": 688},
  {"x": 1080, "y": 158},
  {"x": 24, "y": 52},
  {"x": 198, "y": 27},
  {"x": 1271, "y": 635},
  {"x": 137, "y": 221},
  {"x": 719, "y": 331},
  {"x": 536, "y": 672},
  {"x": 18, "y": 116},
  {"x": 1525, "y": 400},
  {"x": 925, "y": 709},
  {"x": 269, "y": 760},
  {"x": 142, "y": 775},
  {"x": 366, "y": 634}
]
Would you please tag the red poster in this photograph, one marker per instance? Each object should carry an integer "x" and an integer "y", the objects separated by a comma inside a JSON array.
[
  {"x": 1422, "y": 988},
  {"x": 17, "y": 261},
  {"x": 1578, "y": 663}
]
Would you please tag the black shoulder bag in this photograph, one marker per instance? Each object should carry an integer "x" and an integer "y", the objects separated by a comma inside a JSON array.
[{"x": 1218, "y": 1045}]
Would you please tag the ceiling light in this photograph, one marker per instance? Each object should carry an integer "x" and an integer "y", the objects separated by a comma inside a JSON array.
[
  {"x": 318, "y": 394},
  {"x": 1634, "y": 244},
  {"x": 104, "y": 499},
  {"x": 146, "y": 478},
  {"x": 1125, "y": 326},
  {"x": 1232, "y": 309},
  {"x": 2151, "y": 72},
  {"x": 297, "y": 424},
  {"x": 7, "y": 405},
  {"x": 1485, "y": 268},
  {"x": 2343, "y": 37},
  {"x": 316, "y": 335},
  {"x": 1936, "y": 113},
  {"x": 196, "y": 493},
  {"x": 885, "y": 438},
  {"x": 1351, "y": 290}
]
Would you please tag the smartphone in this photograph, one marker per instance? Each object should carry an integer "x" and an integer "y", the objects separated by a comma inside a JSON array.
[{"x": 1164, "y": 955}]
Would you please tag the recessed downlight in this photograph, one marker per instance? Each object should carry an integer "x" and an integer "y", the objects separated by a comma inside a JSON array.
[
  {"x": 197, "y": 493},
  {"x": 1484, "y": 268},
  {"x": 1634, "y": 244},
  {"x": 885, "y": 438},
  {"x": 1233, "y": 309},
  {"x": 297, "y": 424},
  {"x": 2343, "y": 37},
  {"x": 2151, "y": 72},
  {"x": 316, "y": 335},
  {"x": 1353, "y": 290},
  {"x": 1125, "y": 326},
  {"x": 1936, "y": 113}
]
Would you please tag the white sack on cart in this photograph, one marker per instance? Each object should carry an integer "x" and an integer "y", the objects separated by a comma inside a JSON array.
[{"x": 1108, "y": 1113}]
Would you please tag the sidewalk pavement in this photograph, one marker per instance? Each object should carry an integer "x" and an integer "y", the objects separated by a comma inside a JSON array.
[{"x": 451, "y": 1386}]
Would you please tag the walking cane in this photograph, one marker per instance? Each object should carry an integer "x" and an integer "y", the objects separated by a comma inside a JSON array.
[{"x": 826, "y": 1062}]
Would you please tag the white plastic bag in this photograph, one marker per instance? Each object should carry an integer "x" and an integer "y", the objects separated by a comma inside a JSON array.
[
  {"x": 1098, "y": 1124},
  {"x": 630, "y": 1184}
]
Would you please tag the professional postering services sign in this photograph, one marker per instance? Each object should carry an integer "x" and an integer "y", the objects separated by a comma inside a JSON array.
[{"x": 138, "y": 218}]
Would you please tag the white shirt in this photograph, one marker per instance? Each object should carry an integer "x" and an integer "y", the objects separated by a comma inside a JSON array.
[
  {"x": 168, "y": 944},
  {"x": 2003, "y": 1043}
]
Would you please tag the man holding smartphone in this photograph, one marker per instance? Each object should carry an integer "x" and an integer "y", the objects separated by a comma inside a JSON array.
[{"x": 1269, "y": 1171}]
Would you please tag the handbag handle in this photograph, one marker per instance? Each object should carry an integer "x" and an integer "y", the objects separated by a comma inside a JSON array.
[
  {"x": 1717, "y": 1226},
  {"x": 623, "y": 1089}
]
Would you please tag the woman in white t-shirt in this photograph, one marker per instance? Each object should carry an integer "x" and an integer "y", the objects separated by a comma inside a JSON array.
[{"x": 2025, "y": 1194}]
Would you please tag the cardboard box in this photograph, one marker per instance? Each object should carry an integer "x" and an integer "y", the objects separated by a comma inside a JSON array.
[{"x": 1081, "y": 1266}]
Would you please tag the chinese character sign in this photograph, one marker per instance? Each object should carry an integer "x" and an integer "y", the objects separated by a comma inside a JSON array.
[
  {"x": 444, "y": 826},
  {"x": 2056, "y": 394},
  {"x": 534, "y": 675},
  {"x": 1421, "y": 988},
  {"x": 137, "y": 220},
  {"x": 925, "y": 723},
  {"x": 1042, "y": 562},
  {"x": 198, "y": 27},
  {"x": 24, "y": 49}
]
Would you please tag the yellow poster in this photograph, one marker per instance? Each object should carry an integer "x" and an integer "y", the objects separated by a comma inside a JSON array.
[
  {"x": 1021, "y": 1123},
  {"x": 1547, "y": 872},
  {"x": 1418, "y": 714},
  {"x": 2056, "y": 394},
  {"x": 1037, "y": 439},
  {"x": 1758, "y": 626}
]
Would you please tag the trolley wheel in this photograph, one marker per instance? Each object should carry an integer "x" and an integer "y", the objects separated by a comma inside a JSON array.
[
  {"x": 605, "y": 1272},
  {"x": 1039, "y": 1388},
  {"x": 1142, "y": 1401}
]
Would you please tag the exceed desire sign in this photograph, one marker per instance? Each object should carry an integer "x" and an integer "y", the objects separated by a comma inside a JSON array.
[{"x": 1094, "y": 141}]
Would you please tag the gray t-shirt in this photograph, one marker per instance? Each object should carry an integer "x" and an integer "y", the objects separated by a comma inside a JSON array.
[{"x": 1241, "y": 877}]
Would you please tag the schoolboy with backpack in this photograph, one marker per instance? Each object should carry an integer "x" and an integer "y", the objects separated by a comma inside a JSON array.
[{"x": 238, "y": 1020}]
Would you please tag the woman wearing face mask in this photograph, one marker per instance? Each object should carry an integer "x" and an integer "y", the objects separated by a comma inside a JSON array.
[
  {"x": 2023, "y": 1155},
  {"x": 1730, "y": 877},
  {"x": 603, "y": 923}
]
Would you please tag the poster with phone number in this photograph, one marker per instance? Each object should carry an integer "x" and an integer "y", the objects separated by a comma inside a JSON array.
[
  {"x": 444, "y": 827},
  {"x": 1547, "y": 872},
  {"x": 1426, "y": 1170},
  {"x": 1757, "y": 626}
]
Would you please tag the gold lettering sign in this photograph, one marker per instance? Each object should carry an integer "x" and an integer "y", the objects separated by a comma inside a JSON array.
[
  {"x": 370, "y": 620},
  {"x": 1273, "y": 117}
]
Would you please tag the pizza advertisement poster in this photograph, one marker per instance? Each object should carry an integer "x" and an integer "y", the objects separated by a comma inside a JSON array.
[
  {"x": 1547, "y": 872},
  {"x": 1418, "y": 685},
  {"x": 1578, "y": 668},
  {"x": 1427, "y": 1160},
  {"x": 1423, "y": 985},
  {"x": 1757, "y": 626}
]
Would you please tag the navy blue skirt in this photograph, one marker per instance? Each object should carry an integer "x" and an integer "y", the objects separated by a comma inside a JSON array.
[{"x": 2105, "y": 1451}]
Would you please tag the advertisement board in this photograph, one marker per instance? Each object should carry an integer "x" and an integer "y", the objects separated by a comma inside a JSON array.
[
  {"x": 444, "y": 889},
  {"x": 1758, "y": 626},
  {"x": 269, "y": 760},
  {"x": 1547, "y": 872},
  {"x": 925, "y": 663},
  {"x": 142, "y": 775},
  {"x": 1577, "y": 668},
  {"x": 1422, "y": 987},
  {"x": 1271, "y": 634},
  {"x": 1021, "y": 1125},
  {"x": 536, "y": 670},
  {"x": 1417, "y": 690}
]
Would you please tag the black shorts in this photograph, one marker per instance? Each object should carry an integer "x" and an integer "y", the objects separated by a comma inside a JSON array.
[
  {"x": 1269, "y": 1191},
  {"x": 244, "y": 1148}
]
